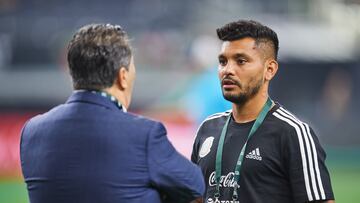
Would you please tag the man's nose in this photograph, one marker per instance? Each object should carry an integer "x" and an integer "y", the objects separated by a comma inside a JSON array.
[{"x": 228, "y": 68}]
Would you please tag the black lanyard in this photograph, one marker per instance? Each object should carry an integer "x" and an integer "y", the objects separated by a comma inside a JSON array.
[{"x": 259, "y": 120}]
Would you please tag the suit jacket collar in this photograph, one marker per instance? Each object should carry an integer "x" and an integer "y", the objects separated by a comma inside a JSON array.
[{"x": 89, "y": 97}]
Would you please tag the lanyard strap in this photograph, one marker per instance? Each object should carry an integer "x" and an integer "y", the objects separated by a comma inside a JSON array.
[
  {"x": 266, "y": 108},
  {"x": 109, "y": 96}
]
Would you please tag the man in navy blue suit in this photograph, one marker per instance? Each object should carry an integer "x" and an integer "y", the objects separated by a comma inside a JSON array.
[{"x": 90, "y": 149}]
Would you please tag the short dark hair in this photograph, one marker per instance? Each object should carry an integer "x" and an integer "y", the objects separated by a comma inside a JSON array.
[
  {"x": 95, "y": 55},
  {"x": 249, "y": 28}
]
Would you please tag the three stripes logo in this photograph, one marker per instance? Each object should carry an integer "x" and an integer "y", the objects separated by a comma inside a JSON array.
[
  {"x": 308, "y": 153},
  {"x": 254, "y": 154}
]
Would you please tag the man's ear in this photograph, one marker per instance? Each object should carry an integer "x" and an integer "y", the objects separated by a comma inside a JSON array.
[
  {"x": 123, "y": 78},
  {"x": 271, "y": 69}
]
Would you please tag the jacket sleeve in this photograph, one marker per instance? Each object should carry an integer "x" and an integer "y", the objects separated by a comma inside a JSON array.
[{"x": 171, "y": 173}]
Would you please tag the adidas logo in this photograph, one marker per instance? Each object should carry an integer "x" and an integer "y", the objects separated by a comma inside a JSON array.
[{"x": 254, "y": 154}]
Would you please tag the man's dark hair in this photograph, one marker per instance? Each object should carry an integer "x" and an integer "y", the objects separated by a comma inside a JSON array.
[
  {"x": 95, "y": 55},
  {"x": 249, "y": 28}
]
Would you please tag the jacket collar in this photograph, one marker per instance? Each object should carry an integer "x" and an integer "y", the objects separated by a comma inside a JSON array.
[{"x": 89, "y": 97}]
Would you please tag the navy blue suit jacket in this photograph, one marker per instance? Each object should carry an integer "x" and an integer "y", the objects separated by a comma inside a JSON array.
[{"x": 88, "y": 150}]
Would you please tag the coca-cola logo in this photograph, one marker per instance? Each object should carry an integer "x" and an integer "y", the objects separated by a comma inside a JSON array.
[{"x": 225, "y": 180}]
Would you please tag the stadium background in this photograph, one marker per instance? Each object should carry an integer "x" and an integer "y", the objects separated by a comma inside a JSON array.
[{"x": 175, "y": 56}]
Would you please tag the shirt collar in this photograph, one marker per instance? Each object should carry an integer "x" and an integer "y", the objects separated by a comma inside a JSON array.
[{"x": 106, "y": 95}]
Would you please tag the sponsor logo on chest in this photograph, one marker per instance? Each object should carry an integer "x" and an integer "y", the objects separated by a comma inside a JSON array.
[
  {"x": 225, "y": 180},
  {"x": 211, "y": 200}
]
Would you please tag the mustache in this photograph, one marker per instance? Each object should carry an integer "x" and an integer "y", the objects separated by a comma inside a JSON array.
[{"x": 229, "y": 80}]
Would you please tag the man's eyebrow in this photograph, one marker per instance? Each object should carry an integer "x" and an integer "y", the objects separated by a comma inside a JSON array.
[
  {"x": 236, "y": 55},
  {"x": 222, "y": 56},
  {"x": 240, "y": 55}
]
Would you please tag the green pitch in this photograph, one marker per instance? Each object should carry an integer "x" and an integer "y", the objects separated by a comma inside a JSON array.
[{"x": 13, "y": 191}]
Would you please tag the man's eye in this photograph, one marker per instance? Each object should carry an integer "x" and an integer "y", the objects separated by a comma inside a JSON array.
[
  {"x": 222, "y": 62},
  {"x": 241, "y": 61}
]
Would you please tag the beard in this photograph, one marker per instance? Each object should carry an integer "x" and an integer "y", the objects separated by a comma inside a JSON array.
[{"x": 248, "y": 91}]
